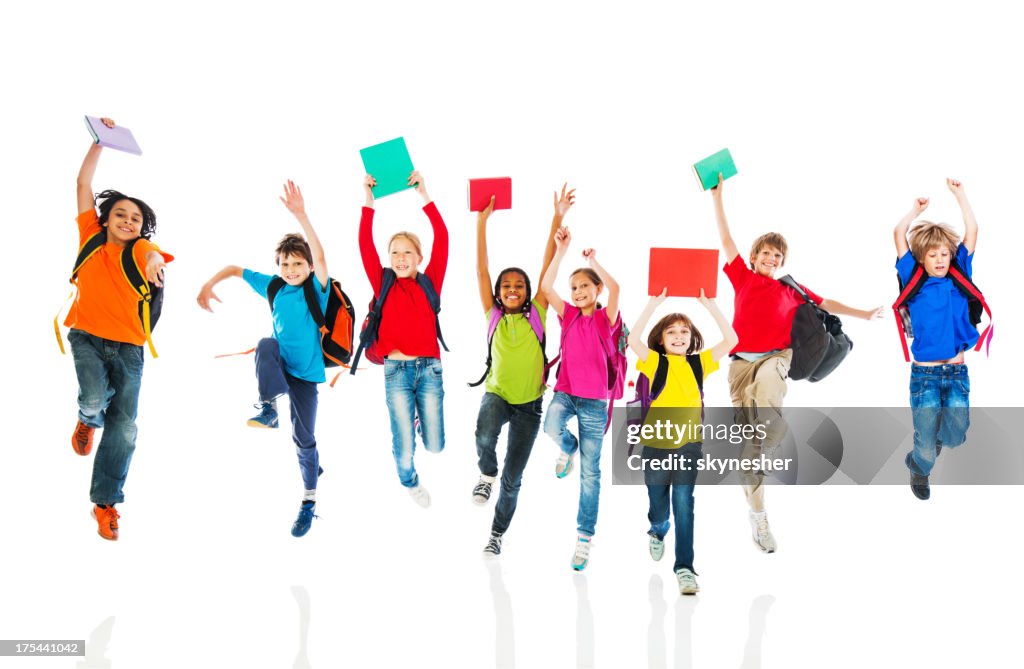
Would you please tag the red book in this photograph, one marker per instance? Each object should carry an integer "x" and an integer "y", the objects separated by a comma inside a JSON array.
[
  {"x": 481, "y": 190},
  {"x": 684, "y": 272}
]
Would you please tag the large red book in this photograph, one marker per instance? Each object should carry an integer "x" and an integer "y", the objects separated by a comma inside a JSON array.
[
  {"x": 684, "y": 272},
  {"x": 481, "y": 190}
]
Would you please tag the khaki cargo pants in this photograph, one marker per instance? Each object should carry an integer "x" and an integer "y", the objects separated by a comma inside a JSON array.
[{"x": 757, "y": 389}]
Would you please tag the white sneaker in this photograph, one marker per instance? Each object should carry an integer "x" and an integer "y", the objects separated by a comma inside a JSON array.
[
  {"x": 493, "y": 548},
  {"x": 420, "y": 495},
  {"x": 582, "y": 554},
  {"x": 482, "y": 490},
  {"x": 687, "y": 582},
  {"x": 761, "y": 533},
  {"x": 657, "y": 547},
  {"x": 563, "y": 465}
]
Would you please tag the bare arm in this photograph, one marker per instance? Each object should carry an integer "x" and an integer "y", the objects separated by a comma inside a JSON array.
[
  {"x": 729, "y": 337},
  {"x": 612, "y": 308},
  {"x": 899, "y": 235},
  {"x": 636, "y": 342},
  {"x": 295, "y": 203},
  {"x": 834, "y": 307},
  {"x": 87, "y": 171},
  {"x": 562, "y": 206},
  {"x": 547, "y": 283},
  {"x": 483, "y": 274},
  {"x": 728, "y": 245},
  {"x": 970, "y": 223},
  {"x": 206, "y": 292}
]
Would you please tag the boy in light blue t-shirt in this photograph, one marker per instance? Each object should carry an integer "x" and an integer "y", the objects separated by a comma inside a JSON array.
[
  {"x": 940, "y": 320},
  {"x": 291, "y": 362}
]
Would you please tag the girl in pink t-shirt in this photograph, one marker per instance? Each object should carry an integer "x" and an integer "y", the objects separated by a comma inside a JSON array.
[{"x": 582, "y": 389}]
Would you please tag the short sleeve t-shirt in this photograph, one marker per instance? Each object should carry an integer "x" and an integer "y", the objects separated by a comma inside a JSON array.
[
  {"x": 763, "y": 309},
  {"x": 939, "y": 313},
  {"x": 681, "y": 394},
  {"x": 517, "y": 361},
  {"x": 105, "y": 305},
  {"x": 294, "y": 328},
  {"x": 584, "y": 364}
]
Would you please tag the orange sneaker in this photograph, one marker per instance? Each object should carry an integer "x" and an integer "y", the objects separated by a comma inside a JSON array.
[
  {"x": 107, "y": 519},
  {"x": 81, "y": 440}
]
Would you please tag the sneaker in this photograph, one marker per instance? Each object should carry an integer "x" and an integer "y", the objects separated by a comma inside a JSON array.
[
  {"x": 919, "y": 486},
  {"x": 305, "y": 519},
  {"x": 107, "y": 519},
  {"x": 266, "y": 418},
  {"x": 493, "y": 547},
  {"x": 761, "y": 533},
  {"x": 687, "y": 582},
  {"x": 420, "y": 495},
  {"x": 582, "y": 554},
  {"x": 563, "y": 465},
  {"x": 482, "y": 491},
  {"x": 657, "y": 546},
  {"x": 81, "y": 440}
]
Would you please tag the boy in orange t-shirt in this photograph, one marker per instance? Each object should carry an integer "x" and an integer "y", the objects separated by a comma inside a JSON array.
[{"x": 107, "y": 335}]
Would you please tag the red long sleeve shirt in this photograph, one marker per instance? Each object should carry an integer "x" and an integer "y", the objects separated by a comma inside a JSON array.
[{"x": 407, "y": 320}]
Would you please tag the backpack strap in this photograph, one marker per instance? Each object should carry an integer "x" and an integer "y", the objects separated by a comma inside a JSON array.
[
  {"x": 368, "y": 334},
  {"x": 910, "y": 289},
  {"x": 972, "y": 291},
  {"x": 492, "y": 327},
  {"x": 698, "y": 373},
  {"x": 660, "y": 377},
  {"x": 273, "y": 288},
  {"x": 136, "y": 278},
  {"x": 566, "y": 322},
  {"x": 435, "y": 303},
  {"x": 89, "y": 248},
  {"x": 791, "y": 282}
]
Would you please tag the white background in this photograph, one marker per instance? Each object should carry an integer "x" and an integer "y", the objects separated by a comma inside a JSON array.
[{"x": 837, "y": 116}]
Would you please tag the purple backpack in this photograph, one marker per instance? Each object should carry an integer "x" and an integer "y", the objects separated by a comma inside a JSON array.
[{"x": 533, "y": 318}]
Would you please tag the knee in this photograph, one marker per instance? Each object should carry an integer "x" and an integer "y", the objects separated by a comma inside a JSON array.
[{"x": 267, "y": 345}]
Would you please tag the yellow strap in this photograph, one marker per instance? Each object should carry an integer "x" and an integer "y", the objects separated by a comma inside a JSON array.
[
  {"x": 56, "y": 321},
  {"x": 145, "y": 327}
]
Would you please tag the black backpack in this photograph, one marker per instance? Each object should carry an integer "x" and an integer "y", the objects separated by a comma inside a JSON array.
[
  {"x": 818, "y": 341},
  {"x": 336, "y": 326}
]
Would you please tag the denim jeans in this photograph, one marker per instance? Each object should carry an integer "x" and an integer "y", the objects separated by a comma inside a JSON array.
[
  {"x": 273, "y": 382},
  {"x": 591, "y": 416},
  {"x": 109, "y": 378},
  {"x": 523, "y": 425},
  {"x": 938, "y": 402},
  {"x": 662, "y": 482},
  {"x": 414, "y": 388}
]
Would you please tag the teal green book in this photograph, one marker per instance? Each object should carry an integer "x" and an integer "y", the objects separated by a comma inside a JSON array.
[
  {"x": 389, "y": 163},
  {"x": 707, "y": 170}
]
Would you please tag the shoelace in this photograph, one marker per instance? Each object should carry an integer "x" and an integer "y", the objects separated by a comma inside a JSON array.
[
  {"x": 82, "y": 433},
  {"x": 686, "y": 578},
  {"x": 582, "y": 549},
  {"x": 111, "y": 515},
  {"x": 483, "y": 488},
  {"x": 493, "y": 545},
  {"x": 762, "y": 526}
]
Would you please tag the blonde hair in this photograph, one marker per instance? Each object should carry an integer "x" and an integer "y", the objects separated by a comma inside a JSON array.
[
  {"x": 413, "y": 239},
  {"x": 927, "y": 235},
  {"x": 769, "y": 239}
]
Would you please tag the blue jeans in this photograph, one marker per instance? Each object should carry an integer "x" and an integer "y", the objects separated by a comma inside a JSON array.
[
  {"x": 938, "y": 402},
  {"x": 109, "y": 378},
  {"x": 273, "y": 382},
  {"x": 414, "y": 388},
  {"x": 680, "y": 483},
  {"x": 591, "y": 416},
  {"x": 523, "y": 425}
]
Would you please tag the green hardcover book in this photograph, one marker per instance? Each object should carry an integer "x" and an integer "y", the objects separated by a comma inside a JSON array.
[
  {"x": 389, "y": 163},
  {"x": 707, "y": 170}
]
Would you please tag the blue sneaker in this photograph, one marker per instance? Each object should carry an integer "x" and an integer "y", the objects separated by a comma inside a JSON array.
[
  {"x": 305, "y": 519},
  {"x": 267, "y": 416}
]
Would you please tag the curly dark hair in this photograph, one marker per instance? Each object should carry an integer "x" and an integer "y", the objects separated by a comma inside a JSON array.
[
  {"x": 529, "y": 290},
  {"x": 106, "y": 200}
]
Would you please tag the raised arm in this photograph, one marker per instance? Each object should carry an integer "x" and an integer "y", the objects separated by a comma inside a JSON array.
[
  {"x": 367, "y": 251},
  {"x": 562, "y": 205},
  {"x": 899, "y": 235},
  {"x": 612, "y": 308},
  {"x": 970, "y": 223},
  {"x": 438, "y": 265},
  {"x": 547, "y": 282},
  {"x": 294, "y": 202},
  {"x": 834, "y": 307},
  {"x": 728, "y": 245},
  {"x": 206, "y": 292},
  {"x": 636, "y": 342},
  {"x": 729, "y": 337},
  {"x": 483, "y": 273},
  {"x": 87, "y": 171}
]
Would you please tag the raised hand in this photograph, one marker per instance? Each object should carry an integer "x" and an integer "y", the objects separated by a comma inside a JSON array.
[
  {"x": 487, "y": 211},
  {"x": 109, "y": 122},
  {"x": 660, "y": 297},
  {"x": 155, "y": 268},
  {"x": 564, "y": 201},
  {"x": 920, "y": 204},
  {"x": 704, "y": 299},
  {"x": 562, "y": 239},
  {"x": 368, "y": 183},
  {"x": 955, "y": 187},
  {"x": 293, "y": 199},
  {"x": 590, "y": 255}
]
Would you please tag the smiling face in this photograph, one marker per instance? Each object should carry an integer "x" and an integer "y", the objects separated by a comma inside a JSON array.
[
  {"x": 124, "y": 223},
  {"x": 294, "y": 269},
  {"x": 936, "y": 261},
  {"x": 513, "y": 292},
  {"x": 405, "y": 259},
  {"x": 676, "y": 338},
  {"x": 768, "y": 259},
  {"x": 584, "y": 291}
]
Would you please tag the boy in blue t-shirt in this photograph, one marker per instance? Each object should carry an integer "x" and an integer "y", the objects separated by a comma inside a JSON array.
[
  {"x": 940, "y": 320},
  {"x": 291, "y": 362}
]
